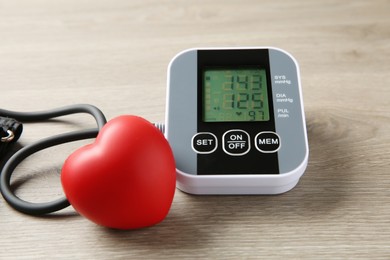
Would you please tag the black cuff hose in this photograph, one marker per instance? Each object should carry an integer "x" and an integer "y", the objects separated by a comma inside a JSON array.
[{"x": 9, "y": 167}]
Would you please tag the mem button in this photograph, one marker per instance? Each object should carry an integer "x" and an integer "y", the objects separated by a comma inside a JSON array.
[
  {"x": 267, "y": 142},
  {"x": 204, "y": 143}
]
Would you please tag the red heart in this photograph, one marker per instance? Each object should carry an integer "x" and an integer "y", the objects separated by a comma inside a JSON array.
[{"x": 125, "y": 179}]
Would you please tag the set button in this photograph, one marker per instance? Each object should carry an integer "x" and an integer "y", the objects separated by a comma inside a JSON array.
[{"x": 204, "y": 143}]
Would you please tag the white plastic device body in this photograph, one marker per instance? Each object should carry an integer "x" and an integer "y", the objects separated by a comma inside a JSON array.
[{"x": 265, "y": 155}]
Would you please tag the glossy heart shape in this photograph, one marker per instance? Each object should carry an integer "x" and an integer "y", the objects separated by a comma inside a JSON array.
[{"x": 125, "y": 179}]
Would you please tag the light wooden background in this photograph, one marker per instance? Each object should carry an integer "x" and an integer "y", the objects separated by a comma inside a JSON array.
[{"x": 114, "y": 54}]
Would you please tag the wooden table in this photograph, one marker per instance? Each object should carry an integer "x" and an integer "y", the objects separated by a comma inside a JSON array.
[{"x": 114, "y": 54}]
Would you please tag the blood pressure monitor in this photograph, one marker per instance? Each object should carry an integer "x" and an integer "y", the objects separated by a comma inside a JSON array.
[{"x": 235, "y": 121}]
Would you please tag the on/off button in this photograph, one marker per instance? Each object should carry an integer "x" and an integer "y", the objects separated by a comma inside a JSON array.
[{"x": 236, "y": 142}]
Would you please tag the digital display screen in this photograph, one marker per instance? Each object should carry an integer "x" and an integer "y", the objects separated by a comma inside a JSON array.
[{"x": 235, "y": 95}]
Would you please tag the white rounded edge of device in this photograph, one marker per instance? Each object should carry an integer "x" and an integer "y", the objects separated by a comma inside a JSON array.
[
  {"x": 232, "y": 48},
  {"x": 240, "y": 184}
]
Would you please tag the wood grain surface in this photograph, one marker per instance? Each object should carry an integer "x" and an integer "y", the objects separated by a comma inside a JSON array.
[{"x": 114, "y": 54}]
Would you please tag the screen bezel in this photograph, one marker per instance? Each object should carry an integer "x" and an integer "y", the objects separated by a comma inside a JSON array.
[{"x": 252, "y": 162}]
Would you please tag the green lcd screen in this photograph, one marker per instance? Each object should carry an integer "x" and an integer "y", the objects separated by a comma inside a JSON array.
[{"x": 235, "y": 95}]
